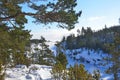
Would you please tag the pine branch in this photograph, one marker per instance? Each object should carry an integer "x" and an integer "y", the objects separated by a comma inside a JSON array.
[{"x": 14, "y": 16}]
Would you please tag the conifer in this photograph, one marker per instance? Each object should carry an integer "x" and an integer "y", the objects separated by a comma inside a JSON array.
[{"x": 114, "y": 57}]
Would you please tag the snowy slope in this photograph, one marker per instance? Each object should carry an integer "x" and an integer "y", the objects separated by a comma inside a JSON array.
[
  {"x": 92, "y": 60},
  {"x": 37, "y": 72},
  {"x": 33, "y": 72}
]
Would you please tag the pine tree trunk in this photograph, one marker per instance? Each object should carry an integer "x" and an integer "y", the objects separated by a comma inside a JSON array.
[{"x": 115, "y": 76}]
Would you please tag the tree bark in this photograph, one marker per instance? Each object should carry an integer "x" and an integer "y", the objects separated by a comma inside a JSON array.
[{"x": 115, "y": 76}]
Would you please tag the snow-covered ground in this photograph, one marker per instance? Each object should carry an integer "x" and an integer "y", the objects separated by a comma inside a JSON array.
[
  {"x": 92, "y": 60},
  {"x": 33, "y": 72},
  {"x": 38, "y": 72}
]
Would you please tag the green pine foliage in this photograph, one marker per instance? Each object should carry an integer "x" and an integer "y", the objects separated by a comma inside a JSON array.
[
  {"x": 12, "y": 46},
  {"x": 114, "y": 50},
  {"x": 5, "y": 43},
  {"x": 42, "y": 55},
  {"x": 87, "y": 38},
  {"x": 61, "y": 12},
  {"x": 57, "y": 71},
  {"x": 61, "y": 58},
  {"x": 14, "y": 37},
  {"x": 46, "y": 54},
  {"x": 20, "y": 38},
  {"x": 78, "y": 73}
]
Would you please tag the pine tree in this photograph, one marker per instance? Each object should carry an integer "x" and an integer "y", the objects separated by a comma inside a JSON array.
[
  {"x": 82, "y": 31},
  {"x": 62, "y": 59},
  {"x": 13, "y": 18},
  {"x": 114, "y": 51},
  {"x": 70, "y": 41},
  {"x": 71, "y": 72},
  {"x": 78, "y": 32},
  {"x": 77, "y": 72},
  {"x": 57, "y": 71},
  {"x": 4, "y": 45},
  {"x": 61, "y": 63},
  {"x": 20, "y": 38},
  {"x": 60, "y": 11},
  {"x": 43, "y": 55}
]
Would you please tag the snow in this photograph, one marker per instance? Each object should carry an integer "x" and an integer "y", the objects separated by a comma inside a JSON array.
[
  {"x": 33, "y": 72},
  {"x": 90, "y": 58}
]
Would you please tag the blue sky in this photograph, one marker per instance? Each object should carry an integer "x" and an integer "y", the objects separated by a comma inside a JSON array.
[{"x": 95, "y": 14}]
